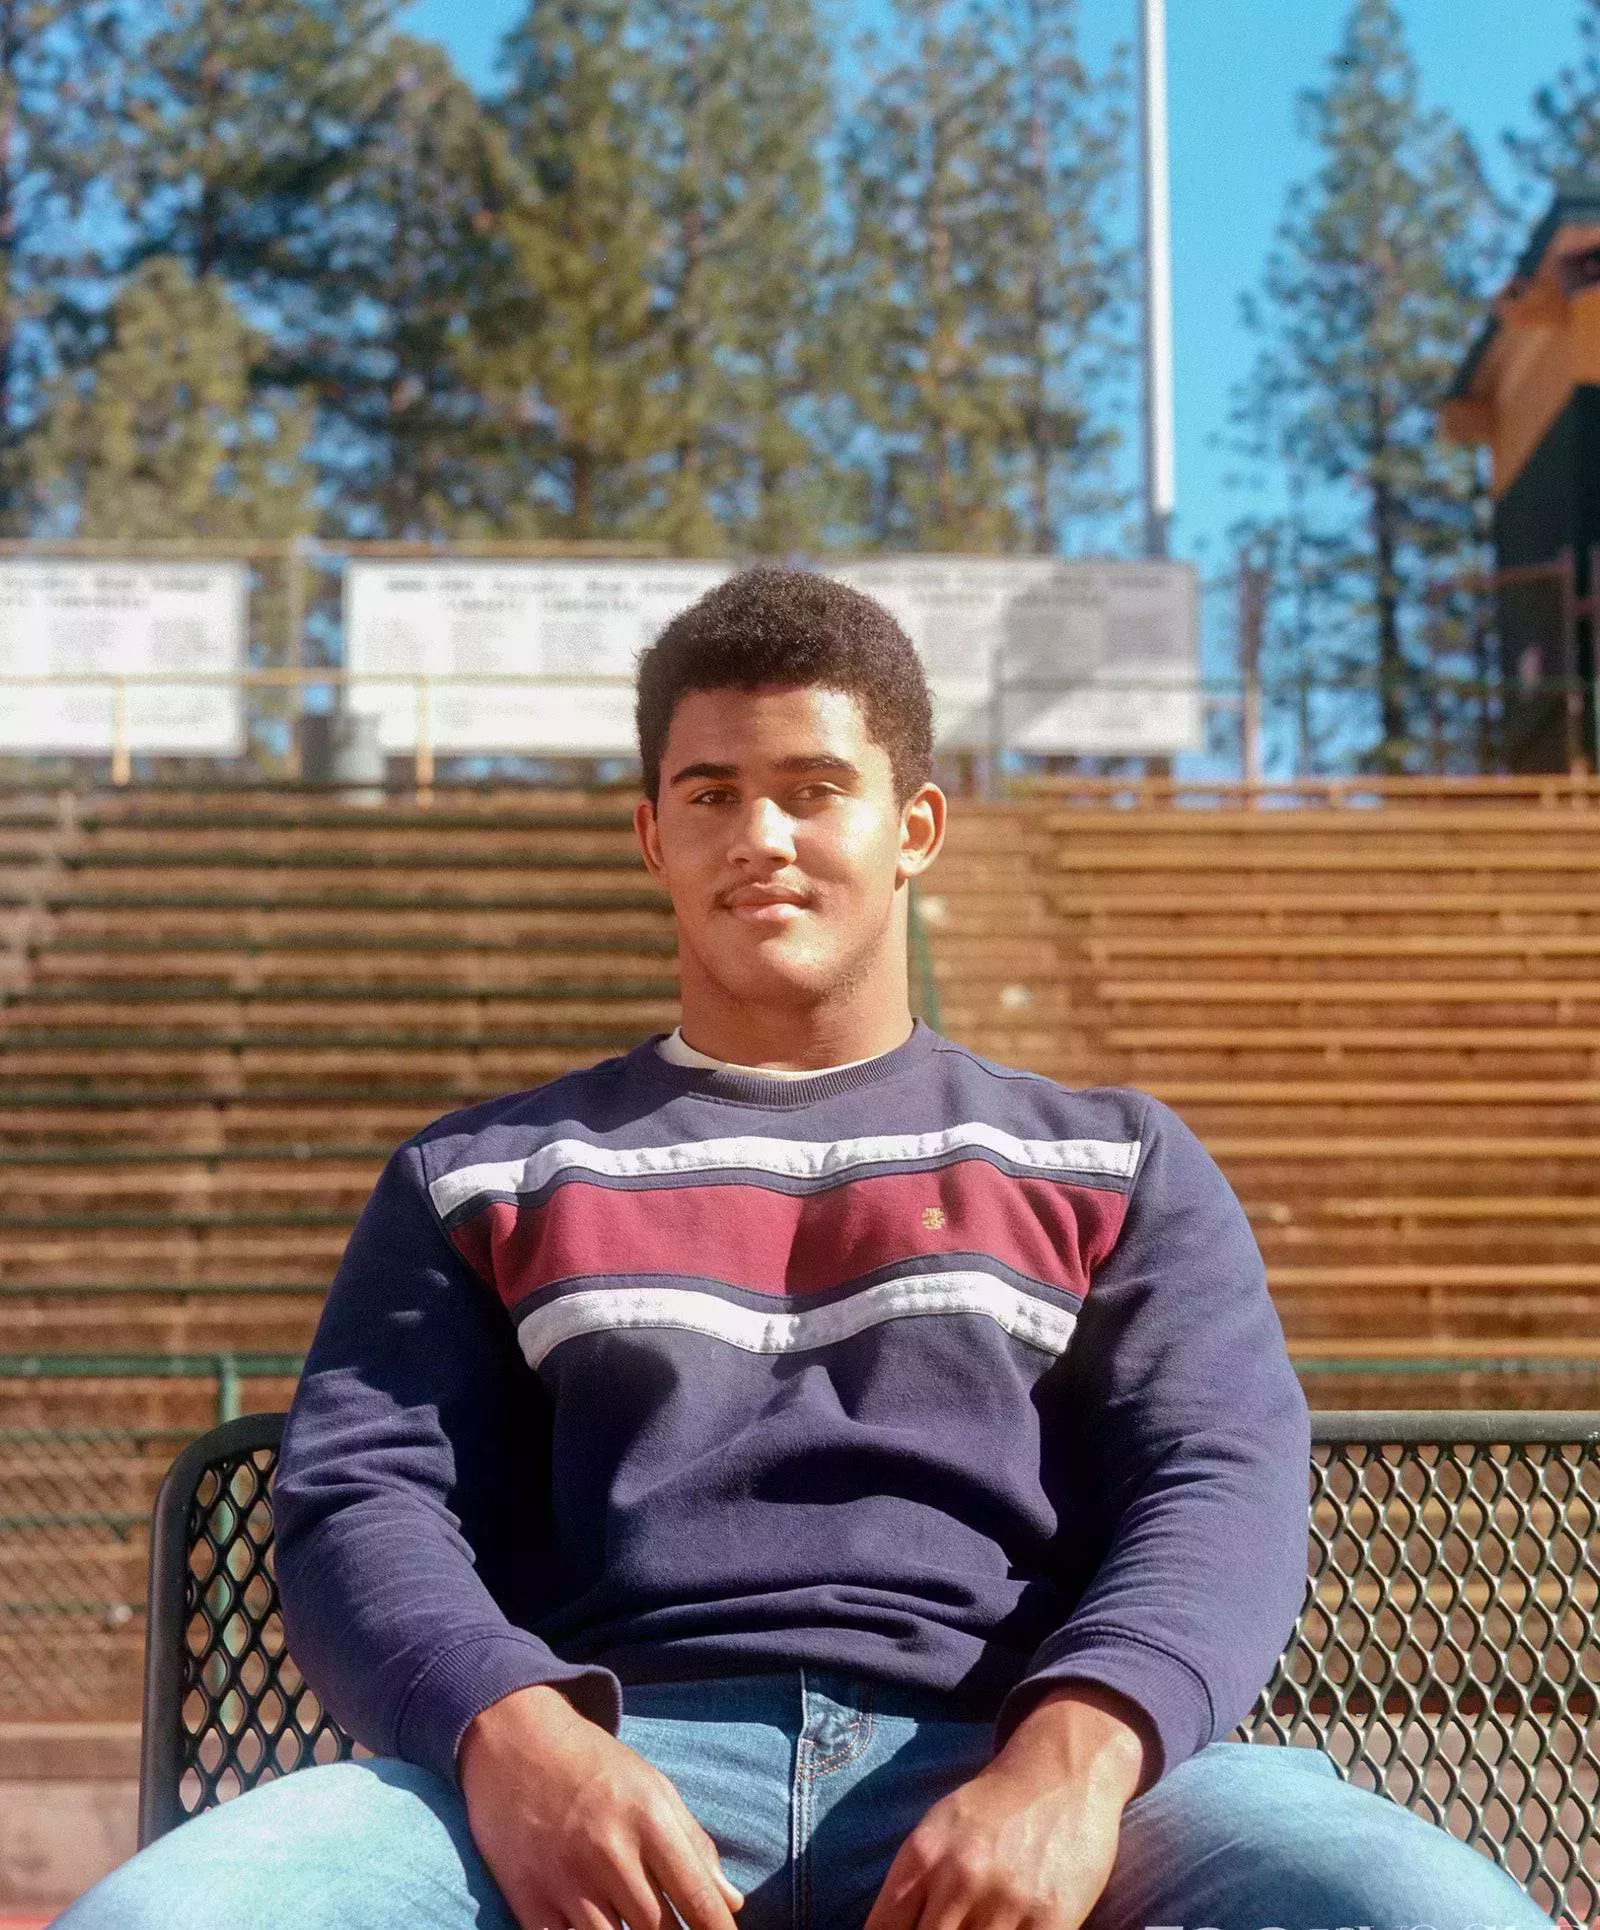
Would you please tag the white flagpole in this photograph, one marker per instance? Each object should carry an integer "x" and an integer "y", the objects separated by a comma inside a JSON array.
[{"x": 1160, "y": 469}]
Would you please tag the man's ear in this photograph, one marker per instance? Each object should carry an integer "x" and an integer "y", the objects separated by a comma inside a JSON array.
[
  {"x": 647, "y": 828},
  {"x": 922, "y": 825}
]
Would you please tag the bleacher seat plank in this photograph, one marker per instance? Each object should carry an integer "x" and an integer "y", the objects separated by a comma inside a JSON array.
[
  {"x": 1373, "y": 991},
  {"x": 1419, "y": 902},
  {"x": 1582, "y": 861},
  {"x": 1319, "y": 946},
  {"x": 1320, "y": 1036},
  {"x": 1515, "y": 1206},
  {"x": 197, "y": 1323}
]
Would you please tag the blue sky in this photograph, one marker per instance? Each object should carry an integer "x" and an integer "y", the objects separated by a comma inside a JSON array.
[{"x": 1236, "y": 66}]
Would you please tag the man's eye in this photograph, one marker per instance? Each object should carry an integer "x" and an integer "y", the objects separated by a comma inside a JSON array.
[{"x": 711, "y": 797}]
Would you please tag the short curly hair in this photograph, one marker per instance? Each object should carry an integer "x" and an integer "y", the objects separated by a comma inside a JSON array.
[{"x": 775, "y": 626}]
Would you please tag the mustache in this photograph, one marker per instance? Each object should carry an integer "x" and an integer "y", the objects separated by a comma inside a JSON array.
[{"x": 766, "y": 888}]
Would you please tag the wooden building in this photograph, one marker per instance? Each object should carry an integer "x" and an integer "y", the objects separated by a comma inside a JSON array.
[{"x": 1530, "y": 390}]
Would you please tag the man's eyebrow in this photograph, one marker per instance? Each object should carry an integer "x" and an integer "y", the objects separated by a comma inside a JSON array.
[
  {"x": 703, "y": 770},
  {"x": 818, "y": 761},
  {"x": 790, "y": 766}
]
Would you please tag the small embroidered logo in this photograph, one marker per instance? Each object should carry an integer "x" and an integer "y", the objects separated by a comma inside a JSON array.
[{"x": 932, "y": 1218}]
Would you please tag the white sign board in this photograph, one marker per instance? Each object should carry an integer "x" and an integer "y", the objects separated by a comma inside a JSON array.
[
  {"x": 106, "y": 620},
  {"x": 572, "y": 621},
  {"x": 1030, "y": 652},
  {"x": 1102, "y": 659}
]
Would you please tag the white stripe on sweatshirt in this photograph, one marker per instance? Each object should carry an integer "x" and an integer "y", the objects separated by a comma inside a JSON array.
[
  {"x": 782, "y": 1158},
  {"x": 613, "y": 1309}
]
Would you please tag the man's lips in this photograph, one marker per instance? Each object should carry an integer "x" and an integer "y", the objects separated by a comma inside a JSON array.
[{"x": 763, "y": 904}]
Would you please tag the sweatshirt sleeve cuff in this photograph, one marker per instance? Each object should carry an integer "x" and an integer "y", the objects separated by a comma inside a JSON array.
[
  {"x": 466, "y": 1679},
  {"x": 1170, "y": 1693}
]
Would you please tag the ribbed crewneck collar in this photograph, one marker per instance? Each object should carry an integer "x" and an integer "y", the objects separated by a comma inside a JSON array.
[{"x": 757, "y": 1089}]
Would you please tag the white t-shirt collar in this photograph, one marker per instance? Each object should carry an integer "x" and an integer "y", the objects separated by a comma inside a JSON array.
[{"x": 676, "y": 1049}]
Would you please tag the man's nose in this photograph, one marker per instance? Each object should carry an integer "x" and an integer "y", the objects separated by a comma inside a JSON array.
[{"x": 766, "y": 831}]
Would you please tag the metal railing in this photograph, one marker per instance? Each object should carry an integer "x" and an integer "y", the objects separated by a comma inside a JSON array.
[
  {"x": 75, "y": 1507},
  {"x": 1218, "y": 693},
  {"x": 228, "y": 1369},
  {"x": 1553, "y": 792},
  {"x": 1564, "y": 1358},
  {"x": 1538, "y": 605},
  {"x": 1573, "y": 790}
]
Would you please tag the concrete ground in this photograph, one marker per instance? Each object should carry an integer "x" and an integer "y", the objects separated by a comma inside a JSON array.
[{"x": 69, "y": 1802}]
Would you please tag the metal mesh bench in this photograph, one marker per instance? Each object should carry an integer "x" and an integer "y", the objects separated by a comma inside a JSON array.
[{"x": 1448, "y": 1652}]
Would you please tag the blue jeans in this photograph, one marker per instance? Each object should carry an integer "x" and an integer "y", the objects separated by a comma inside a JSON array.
[{"x": 808, "y": 1783}]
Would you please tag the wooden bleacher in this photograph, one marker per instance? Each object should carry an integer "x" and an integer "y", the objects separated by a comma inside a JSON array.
[
  {"x": 224, "y": 1010},
  {"x": 220, "y": 1011},
  {"x": 1384, "y": 1019}
]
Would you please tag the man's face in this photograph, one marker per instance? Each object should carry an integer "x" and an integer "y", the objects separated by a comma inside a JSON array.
[{"x": 779, "y": 839}]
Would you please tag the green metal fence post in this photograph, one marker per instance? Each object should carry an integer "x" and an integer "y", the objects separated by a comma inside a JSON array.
[
  {"x": 924, "y": 982},
  {"x": 230, "y": 1393}
]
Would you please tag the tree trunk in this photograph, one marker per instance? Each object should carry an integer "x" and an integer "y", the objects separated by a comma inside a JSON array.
[
  {"x": 10, "y": 52},
  {"x": 1386, "y": 598},
  {"x": 1038, "y": 319},
  {"x": 939, "y": 276},
  {"x": 207, "y": 221},
  {"x": 582, "y": 492},
  {"x": 1391, "y": 660}
]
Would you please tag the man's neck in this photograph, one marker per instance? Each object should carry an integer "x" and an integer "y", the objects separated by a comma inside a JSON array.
[{"x": 764, "y": 1042}]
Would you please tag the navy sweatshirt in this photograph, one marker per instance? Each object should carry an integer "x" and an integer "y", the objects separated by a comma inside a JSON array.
[{"x": 925, "y": 1369}]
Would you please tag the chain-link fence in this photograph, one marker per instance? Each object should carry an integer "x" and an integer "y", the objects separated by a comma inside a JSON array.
[
  {"x": 75, "y": 1503},
  {"x": 74, "y": 1520}
]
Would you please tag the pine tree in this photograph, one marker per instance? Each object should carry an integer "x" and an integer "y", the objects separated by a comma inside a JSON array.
[
  {"x": 1063, "y": 277},
  {"x": 738, "y": 190},
  {"x": 667, "y": 236},
  {"x": 244, "y": 119},
  {"x": 331, "y": 176},
  {"x": 1565, "y": 143},
  {"x": 167, "y": 434},
  {"x": 570, "y": 353},
  {"x": 923, "y": 179},
  {"x": 785, "y": 490},
  {"x": 58, "y": 73},
  {"x": 411, "y": 258},
  {"x": 1369, "y": 292}
]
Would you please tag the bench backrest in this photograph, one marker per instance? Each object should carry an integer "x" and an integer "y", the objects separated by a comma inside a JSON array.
[{"x": 1448, "y": 1652}]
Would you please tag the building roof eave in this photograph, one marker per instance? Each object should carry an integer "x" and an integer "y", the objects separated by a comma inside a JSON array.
[{"x": 1571, "y": 206}]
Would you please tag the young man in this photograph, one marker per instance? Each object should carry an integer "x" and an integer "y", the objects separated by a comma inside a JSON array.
[{"x": 798, "y": 1473}]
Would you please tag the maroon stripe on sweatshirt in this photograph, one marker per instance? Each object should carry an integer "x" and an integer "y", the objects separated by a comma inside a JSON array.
[{"x": 766, "y": 1241}]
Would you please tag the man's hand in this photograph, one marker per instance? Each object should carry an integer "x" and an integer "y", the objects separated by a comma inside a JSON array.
[
  {"x": 578, "y": 1830},
  {"x": 1029, "y": 1843}
]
